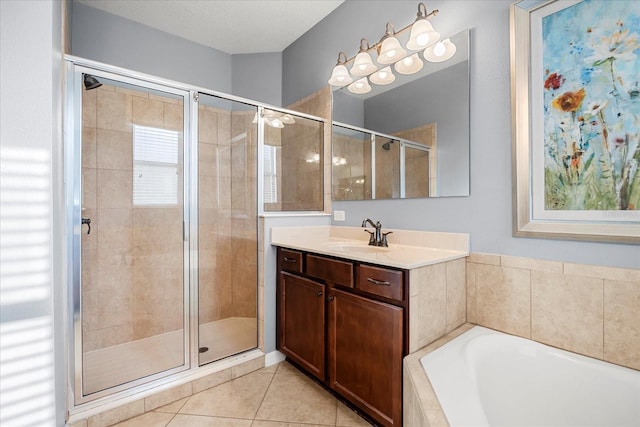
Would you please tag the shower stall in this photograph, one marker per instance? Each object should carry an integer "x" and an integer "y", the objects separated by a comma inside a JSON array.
[{"x": 162, "y": 217}]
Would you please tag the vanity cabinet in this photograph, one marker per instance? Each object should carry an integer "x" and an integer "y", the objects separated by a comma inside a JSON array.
[{"x": 345, "y": 323}]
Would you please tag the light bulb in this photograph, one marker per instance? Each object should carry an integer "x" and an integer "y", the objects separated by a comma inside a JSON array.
[
  {"x": 340, "y": 76},
  {"x": 440, "y": 52},
  {"x": 363, "y": 65},
  {"x": 383, "y": 77},
  {"x": 422, "y": 39},
  {"x": 409, "y": 65},
  {"x": 422, "y": 35},
  {"x": 360, "y": 86}
]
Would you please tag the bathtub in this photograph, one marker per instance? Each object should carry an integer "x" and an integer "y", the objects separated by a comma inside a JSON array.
[{"x": 488, "y": 378}]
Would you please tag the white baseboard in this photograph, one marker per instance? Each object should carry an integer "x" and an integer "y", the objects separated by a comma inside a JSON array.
[{"x": 273, "y": 358}]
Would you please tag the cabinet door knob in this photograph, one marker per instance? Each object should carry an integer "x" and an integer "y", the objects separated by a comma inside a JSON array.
[
  {"x": 319, "y": 293},
  {"x": 330, "y": 298}
]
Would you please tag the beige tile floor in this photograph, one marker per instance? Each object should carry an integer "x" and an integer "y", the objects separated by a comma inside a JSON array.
[{"x": 276, "y": 396}]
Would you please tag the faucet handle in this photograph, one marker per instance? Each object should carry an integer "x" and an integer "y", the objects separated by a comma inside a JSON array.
[
  {"x": 384, "y": 239},
  {"x": 372, "y": 239}
]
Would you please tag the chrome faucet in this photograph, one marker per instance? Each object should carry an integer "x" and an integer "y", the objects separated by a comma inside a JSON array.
[{"x": 377, "y": 238}]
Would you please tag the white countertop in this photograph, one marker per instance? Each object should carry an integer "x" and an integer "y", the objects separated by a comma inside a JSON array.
[{"x": 407, "y": 249}]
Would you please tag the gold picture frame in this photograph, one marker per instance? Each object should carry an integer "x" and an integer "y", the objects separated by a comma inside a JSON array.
[{"x": 526, "y": 49}]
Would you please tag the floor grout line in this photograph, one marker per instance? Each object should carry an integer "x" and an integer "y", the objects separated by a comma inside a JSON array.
[{"x": 265, "y": 393}]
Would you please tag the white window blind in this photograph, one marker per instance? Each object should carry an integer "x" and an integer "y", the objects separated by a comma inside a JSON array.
[
  {"x": 155, "y": 166},
  {"x": 270, "y": 174}
]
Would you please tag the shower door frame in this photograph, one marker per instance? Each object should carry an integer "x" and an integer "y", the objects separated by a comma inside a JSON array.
[
  {"x": 73, "y": 178},
  {"x": 75, "y": 67}
]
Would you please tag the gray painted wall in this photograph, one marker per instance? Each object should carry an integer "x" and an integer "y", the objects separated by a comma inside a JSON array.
[
  {"x": 258, "y": 76},
  {"x": 486, "y": 214},
  {"x": 113, "y": 40},
  {"x": 108, "y": 38}
]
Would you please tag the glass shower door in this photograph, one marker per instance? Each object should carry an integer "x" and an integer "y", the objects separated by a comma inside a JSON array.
[
  {"x": 132, "y": 293},
  {"x": 227, "y": 227}
]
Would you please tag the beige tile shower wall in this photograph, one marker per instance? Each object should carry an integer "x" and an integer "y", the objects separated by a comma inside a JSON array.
[
  {"x": 244, "y": 199},
  {"x": 132, "y": 260},
  {"x": 592, "y": 310},
  {"x": 319, "y": 104},
  {"x": 437, "y": 301},
  {"x": 227, "y": 214}
]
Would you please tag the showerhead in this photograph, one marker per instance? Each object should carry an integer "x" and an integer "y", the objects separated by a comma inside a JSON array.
[
  {"x": 387, "y": 145},
  {"x": 91, "y": 82}
]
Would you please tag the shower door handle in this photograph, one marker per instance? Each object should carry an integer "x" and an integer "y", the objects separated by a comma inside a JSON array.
[{"x": 88, "y": 222}]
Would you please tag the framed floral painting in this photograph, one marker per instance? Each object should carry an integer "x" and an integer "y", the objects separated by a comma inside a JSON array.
[{"x": 575, "y": 85}]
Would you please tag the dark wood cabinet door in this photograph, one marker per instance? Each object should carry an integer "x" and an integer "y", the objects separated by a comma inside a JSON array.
[
  {"x": 301, "y": 327},
  {"x": 365, "y": 354}
]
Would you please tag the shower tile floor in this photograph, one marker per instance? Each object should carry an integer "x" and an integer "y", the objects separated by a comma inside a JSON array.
[
  {"x": 276, "y": 396},
  {"x": 121, "y": 363}
]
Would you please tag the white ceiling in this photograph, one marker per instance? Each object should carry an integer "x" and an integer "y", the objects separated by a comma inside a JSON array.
[{"x": 232, "y": 26}]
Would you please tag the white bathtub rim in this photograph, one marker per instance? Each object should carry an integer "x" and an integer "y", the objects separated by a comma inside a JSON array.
[{"x": 469, "y": 409}]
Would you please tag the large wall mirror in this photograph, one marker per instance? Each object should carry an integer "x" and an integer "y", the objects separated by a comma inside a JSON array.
[{"x": 406, "y": 139}]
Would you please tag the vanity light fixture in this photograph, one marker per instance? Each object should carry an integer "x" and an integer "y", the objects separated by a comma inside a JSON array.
[
  {"x": 383, "y": 77},
  {"x": 440, "y": 51},
  {"x": 340, "y": 75},
  {"x": 422, "y": 32},
  {"x": 339, "y": 161},
  {"x": 409, "y": 65},
  {"x": 390, "y": 52},
  {"x": 363, "y": 64},
  {"x": 360, "y": 86},
  {"x": 275, "y": 119},
  {"x": 390, "y": 49}
]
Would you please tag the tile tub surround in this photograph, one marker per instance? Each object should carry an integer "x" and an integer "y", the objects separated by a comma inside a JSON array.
[
  {"x": 437, "y": 301},
  {"x": 407, "y": 249},
  {"x": 420, "y": 404},
  {"x": 586, "y": 309}
]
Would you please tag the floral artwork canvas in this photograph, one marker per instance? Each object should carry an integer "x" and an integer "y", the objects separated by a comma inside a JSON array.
[{"x": 591, "y": 101}]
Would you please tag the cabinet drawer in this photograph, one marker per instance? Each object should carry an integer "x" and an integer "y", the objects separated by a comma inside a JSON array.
[
  {"x": 380, "y": 281},
  {"x": 290, "y": 260},
  {"x": 331, "y": 270}
]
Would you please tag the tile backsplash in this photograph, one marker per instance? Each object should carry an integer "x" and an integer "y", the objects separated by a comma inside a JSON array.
[{"x": 591, "y": 310}]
